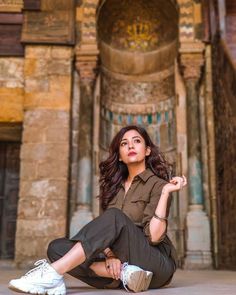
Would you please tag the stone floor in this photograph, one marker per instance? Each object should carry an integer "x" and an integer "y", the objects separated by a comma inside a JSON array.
[{"x": 184, "y": 283}]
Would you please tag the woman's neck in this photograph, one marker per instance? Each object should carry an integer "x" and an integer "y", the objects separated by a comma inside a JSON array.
[{"x": 134, "y": 170}]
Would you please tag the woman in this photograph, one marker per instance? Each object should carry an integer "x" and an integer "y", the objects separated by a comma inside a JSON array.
[{"x": 130, "y": 234}]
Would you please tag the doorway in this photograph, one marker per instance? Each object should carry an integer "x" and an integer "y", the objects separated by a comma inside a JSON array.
[{"x": 9, "y": 191}]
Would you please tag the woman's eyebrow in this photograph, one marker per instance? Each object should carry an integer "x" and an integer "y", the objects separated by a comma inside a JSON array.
[{"x": 136, "y": 136}]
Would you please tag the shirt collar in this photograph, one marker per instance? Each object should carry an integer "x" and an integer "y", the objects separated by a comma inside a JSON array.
[{"x": 146, "y": 174}]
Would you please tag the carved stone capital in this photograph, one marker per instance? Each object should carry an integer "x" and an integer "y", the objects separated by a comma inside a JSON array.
[
  {"x": 191, "y": 66},
  {"x": 192, "y": 60},
  {"x": 86, "y": 62}
]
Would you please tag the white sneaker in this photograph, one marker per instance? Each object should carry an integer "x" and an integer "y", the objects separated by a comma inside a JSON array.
[
  {"x": 135, "y": 278},
  {"x": 42, "y": 279}
]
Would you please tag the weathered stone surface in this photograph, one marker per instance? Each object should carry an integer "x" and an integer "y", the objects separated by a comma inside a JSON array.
[
  {"x": 52, "y": 169},
  {"x": 37, "y": 227},
  {"x": 11, "y": 70},
  {"x": 35, "y": 68},
  {"x": 46, "y": 100},
  {"x": 28, "y": 170},
  {"x": 59, "y": 67},
  {"x": 45, "y": 118},
  {"x": 34, "y": 135},
  {"x": 57, "y": 134},
  {"x": 38, "y": 51},
  {"x": 44, "y": 152},
  {"x": 11, "y": 109},
  {"x": 32, "y": 85},
  {"x": 61, "y": 53},
  {"x": 29, "y": 249},
  {"x": 49, "y": 189},
  {"x": 41, "y": 208},
  {"x": 11, "y": 89}
]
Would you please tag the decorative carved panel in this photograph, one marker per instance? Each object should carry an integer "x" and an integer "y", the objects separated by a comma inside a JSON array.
[{"x": 53, "y": 24}]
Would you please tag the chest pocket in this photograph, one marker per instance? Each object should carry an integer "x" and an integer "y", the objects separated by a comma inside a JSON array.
[
  {"x": 143, "y": 198},
  {"x": 137, "y": 206}
]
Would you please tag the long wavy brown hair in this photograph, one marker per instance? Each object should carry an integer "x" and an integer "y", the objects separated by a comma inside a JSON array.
[{"x": 113, "y": 172}]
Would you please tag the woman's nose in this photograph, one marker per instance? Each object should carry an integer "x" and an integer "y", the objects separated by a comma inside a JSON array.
[{"x": 130, "y": 145}]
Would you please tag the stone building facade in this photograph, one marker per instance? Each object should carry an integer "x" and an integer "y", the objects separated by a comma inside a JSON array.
[{"x": 72, "y": 73}]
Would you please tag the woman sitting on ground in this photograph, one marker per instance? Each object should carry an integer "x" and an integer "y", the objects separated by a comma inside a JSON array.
[{"x": 127, "y": 244}]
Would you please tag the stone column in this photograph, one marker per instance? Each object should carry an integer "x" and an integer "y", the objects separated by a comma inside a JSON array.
[
  {"x": 86, "y": 62},
  {"x": 198, "y": 227},
  {"x": 42, "y": 207}
]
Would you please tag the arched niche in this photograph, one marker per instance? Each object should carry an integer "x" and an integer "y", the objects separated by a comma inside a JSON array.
[{"x": 137, "y": 37}]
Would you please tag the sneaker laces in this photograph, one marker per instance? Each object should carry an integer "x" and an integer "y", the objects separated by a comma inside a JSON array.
[
  {"x": 125, "y": 275},
  {"x": 40, "y": 265}
]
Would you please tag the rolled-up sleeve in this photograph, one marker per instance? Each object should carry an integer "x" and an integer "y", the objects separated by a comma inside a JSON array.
[{"x": 150, "y": 210}]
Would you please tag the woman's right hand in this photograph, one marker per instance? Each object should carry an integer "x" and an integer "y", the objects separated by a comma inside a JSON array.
[
  {"x": 113, "y": 266},
  {"x": 175, "y": 184}
]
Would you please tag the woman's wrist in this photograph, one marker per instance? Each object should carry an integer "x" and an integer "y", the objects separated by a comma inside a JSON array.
[
  {"x": 165, "y": 192},
  {"x": 109, "y": 254}
]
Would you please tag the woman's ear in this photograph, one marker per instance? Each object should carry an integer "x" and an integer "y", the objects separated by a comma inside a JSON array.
[{"x": 148, "y": 151}]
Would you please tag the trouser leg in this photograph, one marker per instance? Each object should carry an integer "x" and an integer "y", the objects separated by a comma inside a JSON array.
[
  {"x": 59, "y": 247},
  {"x": 115, "y": 230}
]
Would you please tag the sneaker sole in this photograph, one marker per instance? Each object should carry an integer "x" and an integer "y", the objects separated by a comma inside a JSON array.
[
  {"x": 54, "y": 291},
  {"x": 140, "y": 281}
]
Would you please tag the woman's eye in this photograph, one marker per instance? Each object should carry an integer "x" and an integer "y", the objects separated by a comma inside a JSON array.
[
  {"x": 137, "y": 140},
  {"x": 123, "y": 143}
]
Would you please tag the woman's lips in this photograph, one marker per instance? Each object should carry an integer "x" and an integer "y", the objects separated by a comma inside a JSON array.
[{"x": 132, "y": 154}]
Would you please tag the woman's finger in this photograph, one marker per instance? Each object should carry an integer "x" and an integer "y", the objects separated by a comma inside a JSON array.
[{"x": 117, "y": 270}]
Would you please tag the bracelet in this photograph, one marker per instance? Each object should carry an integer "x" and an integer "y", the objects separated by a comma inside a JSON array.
[
  {"x": 107, "y": 254},
  {"x": 160, "y": 218}
]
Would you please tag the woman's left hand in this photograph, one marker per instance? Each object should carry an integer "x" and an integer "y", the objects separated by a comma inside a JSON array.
[
  {"x": 113, "y": 266},
  {"x": 175, "y": 184}
]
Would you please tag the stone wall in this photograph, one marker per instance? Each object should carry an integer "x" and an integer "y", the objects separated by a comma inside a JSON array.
[
  {"x": 11, "y": 89},
  {"x": 225, "y": 130},
  {"x": 42, "y": 210}
]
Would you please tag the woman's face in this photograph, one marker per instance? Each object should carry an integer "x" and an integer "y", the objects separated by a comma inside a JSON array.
[{"x": 133, "y": 148}]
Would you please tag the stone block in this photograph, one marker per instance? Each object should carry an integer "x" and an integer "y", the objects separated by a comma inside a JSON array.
[
  {"x": 11, "y": 72},
  {"x": 59, "y": 52},
  {"x": 53, "y": 169},
  {"x": 41, "y": 208},
  {"x": 59, "y": 67},
  {"x": 44, "y": 189},
  {"x": 37, "y": 85},
  {"x": 29, "y": 247},
  {"x": 28, "y": 170},
  {"x": 33, "y": 100},
  {"x": 11, "y": 104},
  {"x": 45, "y": 118},
  {"x": 57, "y": 135},
  {"x": 44, "y": 152},
  {"x": 36, "y": 68},
  {"x": 34, "y": 135},
  {"x": 60, "y": 83},
  {"x": 36, "y": 51},
  {"x": 47, "y": 100},
  {"x": 43, "y": 227}
]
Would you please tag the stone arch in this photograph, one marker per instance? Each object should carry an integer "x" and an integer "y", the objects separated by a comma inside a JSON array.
[{"x": 186, "y": 19}]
